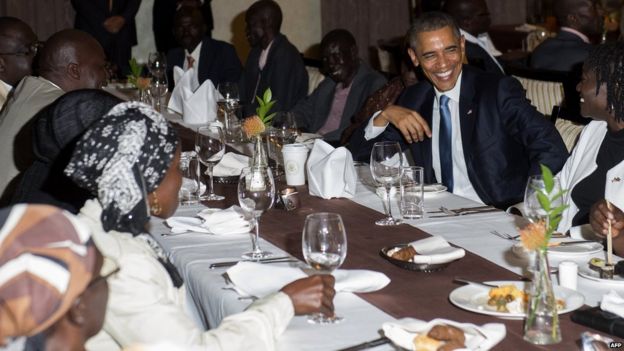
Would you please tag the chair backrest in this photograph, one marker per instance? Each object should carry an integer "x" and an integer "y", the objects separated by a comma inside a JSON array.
[
  {"x": 315, "y": 77},
  {"x": 569, "y": 132},
  {"x": 546, "y": 88}
]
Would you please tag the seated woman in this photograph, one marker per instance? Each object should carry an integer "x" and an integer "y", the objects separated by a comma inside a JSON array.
[
  {"x": 596, "y": 166},
  {"x": 128, "y": 161},
  {"x": 51, "y": 294}
]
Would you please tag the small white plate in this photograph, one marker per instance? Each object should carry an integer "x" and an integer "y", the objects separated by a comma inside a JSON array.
[
  {"x": 586, "y": 272},
  {"x": 434, "y": 188},
  {"x": 576, "y": 250},
  {"x": 474, "y": 298}
]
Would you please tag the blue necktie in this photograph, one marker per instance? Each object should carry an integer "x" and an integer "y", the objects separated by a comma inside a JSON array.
[{"x": 445, "y": 146}]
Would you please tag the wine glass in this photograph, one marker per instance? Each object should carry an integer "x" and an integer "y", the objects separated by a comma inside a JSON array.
[
  {"x": 228, "y": 102},
  {"x": 158, "y": 90},
  {"x": 286, "y": 121},
  {"x": 385, "y": 165},
  {"x": 157, "y": 64},
  {"x": 324, "y": 246},
  {"x": 256, "y": 194},
  {"x": 532, "y": 208},
  {"x": 281, "y": 133},
  {"x": 210, "y": 147}
]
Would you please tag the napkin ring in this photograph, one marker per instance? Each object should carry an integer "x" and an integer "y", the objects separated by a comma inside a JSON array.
[{"x": 290, "y": 198}]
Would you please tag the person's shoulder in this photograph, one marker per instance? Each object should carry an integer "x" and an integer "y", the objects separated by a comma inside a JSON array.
[
  {"x": 219, "y": 44},
  {"x": 284, "y": 47}
]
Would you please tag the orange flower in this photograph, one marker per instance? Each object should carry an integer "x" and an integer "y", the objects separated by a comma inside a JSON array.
[
  {"x": 253, "y": 126},
  {"x": 533, "y": 236},
  {"x": 143, "y": 83}
]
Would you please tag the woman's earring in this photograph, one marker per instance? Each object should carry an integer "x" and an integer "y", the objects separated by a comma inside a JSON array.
[{"x": 155, "y": 207}]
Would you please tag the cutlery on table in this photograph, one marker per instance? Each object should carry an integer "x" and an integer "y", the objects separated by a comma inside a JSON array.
[
  {"x": 452, "y": 213},
  {"x": 178, "y": 233},
  {"x": 443, "y": 209},
  {"x": 368, "y": 344},
  {"x": 466, "y": 281},
  {"x": 504, "y": 235},
  {"x": 262, "y": 260}
]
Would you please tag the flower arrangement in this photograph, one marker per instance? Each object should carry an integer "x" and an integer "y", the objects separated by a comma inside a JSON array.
[
  {"x": 256, "y": 124},
  {"x": 135, "y": 78}
]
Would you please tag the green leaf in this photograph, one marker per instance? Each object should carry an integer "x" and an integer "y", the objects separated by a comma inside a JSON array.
[
  {"x": 262, "y": 111},
  {"x": 268, "y": 118},
  {"x": 558, "y": 195},
  {"x": 548, "y": 178},
  {"x": 267, "y": 95},
  {"x": 544, "y": 201}
]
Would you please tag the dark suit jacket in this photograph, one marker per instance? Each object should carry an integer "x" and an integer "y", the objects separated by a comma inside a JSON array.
[
  {"x": 478, "y": 57},
  {"x": 217, "y": 61},
  {"x": 284, "y": 73},
  {"x": 504, "y": 138},
  {"x": 90, "y": 16},
  {"x": 313, "y": 111},
  {"x": 565, "y": 52}
]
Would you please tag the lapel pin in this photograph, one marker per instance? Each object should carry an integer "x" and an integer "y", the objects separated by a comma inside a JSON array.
[
  {"x": 469, "y": 112},
  {"x": 616, "y": 179}
]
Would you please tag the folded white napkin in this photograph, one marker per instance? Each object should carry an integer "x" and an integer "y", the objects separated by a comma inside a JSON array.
[
  {"x": 403, "y": 331},
  {"x": 197, "y": 104},
  {"x": 212, "y": 221},
  {"x": 434, "y": 250},
  {"x": 330, "y": 171},
  {"x": 231, "y": 164},
  {"x": 256, "y": 279},
  {"x": 613, "y": 302}
]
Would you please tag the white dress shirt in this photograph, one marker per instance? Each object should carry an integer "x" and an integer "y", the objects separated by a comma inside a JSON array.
[
  {"x": 485, "y": 42},
  {"x": 461, "y": 182},
  {"x": 4, "y": 92}
]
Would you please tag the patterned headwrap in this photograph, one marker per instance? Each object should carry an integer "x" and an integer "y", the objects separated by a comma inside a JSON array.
[
  {"x": 121, "y": 158},
  {"x": 47, "y": 260}
]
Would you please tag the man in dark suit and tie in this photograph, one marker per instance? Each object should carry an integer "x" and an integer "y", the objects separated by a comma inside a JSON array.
[
  {"x": 580, "y": 21},
  {"x": 111, "y": 22},
  {"x": 485, "y": 137},
  {"x": 212, "y": 59}
]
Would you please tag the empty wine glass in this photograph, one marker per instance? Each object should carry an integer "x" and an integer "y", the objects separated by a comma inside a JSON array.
[
  {"x": 158, "y": 90},
  {"x": 256, "y": 193},
  {"x": 532, "y": 208},
  {"x": 324, "y": 246},
  {"x": 281, "y": 133},
  {"x": 210, "y": 147},
  {"x": 385, "y": 165},
  {"x": 157, "y": 64},
  {"x": 228, "y": 103}
]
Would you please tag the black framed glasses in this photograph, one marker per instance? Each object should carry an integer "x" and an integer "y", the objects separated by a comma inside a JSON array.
[{"x": 32, "y": 50}]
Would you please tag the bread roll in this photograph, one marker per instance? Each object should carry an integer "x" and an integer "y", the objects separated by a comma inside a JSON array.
[
  {"x": 404, "y": 254},
  {"x": 447, "y": 333},
  {"x": 424, "y": 343}
]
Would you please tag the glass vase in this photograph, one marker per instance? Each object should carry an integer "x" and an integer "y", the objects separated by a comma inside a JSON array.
[
  {"x": 541, "y": 326},
  {"x": 259, "y": 158}
]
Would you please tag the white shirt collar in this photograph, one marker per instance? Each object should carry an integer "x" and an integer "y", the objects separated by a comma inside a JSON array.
[
  {"x": 577, "y": 33},
  {"x": 4, "y": 88},
  {"x": 453, "y": 94},
  {"x": 196, "y": 52}
]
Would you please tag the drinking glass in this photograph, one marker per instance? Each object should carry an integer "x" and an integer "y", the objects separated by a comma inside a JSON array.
[
  {"x": 324, "y": 246},
  {"x": 532, "y": 208},
  {"x": 256, "y": 194},
  {"x": 385, "y": 164},
  {"x": 282, "y": 132},
  {"x": 286, "y": 121},
  {"x": 189, "y": 166},
  {"x": 210, "y": 147},
  {"x": 228, "y": 102},
  {"x": 158, "y": 90},
  {"x": 157, "y": 64},
  {"x": 411, "y": 186}
]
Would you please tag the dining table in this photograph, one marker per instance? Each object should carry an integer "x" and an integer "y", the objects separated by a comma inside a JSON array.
[{"x": 414, "y": 294}]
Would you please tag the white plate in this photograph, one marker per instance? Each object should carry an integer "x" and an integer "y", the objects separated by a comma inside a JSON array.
[
  {"x": 576, "y": 250},
  {"x": 586, "y": 272},
  {"x": 474, "y": 298},
  {"x": 434, "y": 188}
]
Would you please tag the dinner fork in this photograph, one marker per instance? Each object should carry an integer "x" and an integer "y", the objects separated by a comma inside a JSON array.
[{"x": 504, "y": 235}]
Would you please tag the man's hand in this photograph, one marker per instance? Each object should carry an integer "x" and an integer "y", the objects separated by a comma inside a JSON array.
[
  {"x": 114, "y": 24},
  {"x": 409, "y": 122},
  {"x": 599, "y": 216},
  {"x": 312, "y": 294}
]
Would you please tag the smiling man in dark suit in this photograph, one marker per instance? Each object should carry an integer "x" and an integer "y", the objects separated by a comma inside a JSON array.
[
  {"x": 485, "y": 137},
  {"x": 212, "y": 59}
]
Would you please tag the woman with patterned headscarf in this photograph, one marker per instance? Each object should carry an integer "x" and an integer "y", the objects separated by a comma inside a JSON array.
[
  {"x": 51, "y": 295},
  {"x": 128, "y": 160}
]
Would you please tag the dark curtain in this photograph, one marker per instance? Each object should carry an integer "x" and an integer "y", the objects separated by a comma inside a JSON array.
[
  {"x": 44, "y": 16},
  {"x": 369, "y": 20}
]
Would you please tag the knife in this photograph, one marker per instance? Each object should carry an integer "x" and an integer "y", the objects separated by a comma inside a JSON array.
[
  {"x": 464, "y": 209},
  {"x": 263, "y": 260},
  {"x": 568, "y": 243},
  {"x": 368, "y": 344}
]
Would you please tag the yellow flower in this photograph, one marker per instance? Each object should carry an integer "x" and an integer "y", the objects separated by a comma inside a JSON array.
[
  {"x": 533, "y": 236},
  {"x": 253, "y": 126}
]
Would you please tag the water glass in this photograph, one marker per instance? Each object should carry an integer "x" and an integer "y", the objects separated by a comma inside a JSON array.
[
  {"x": 385, "y": 165},
  {"x": 189, "y": 166},
  {"x": 411, "y": 188},
  {"x": 210, "y": 148},
  {"x": 324, "y": 246},
  {"x": 256, "y": 194},
  {"x": 532, "y": 208}
]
